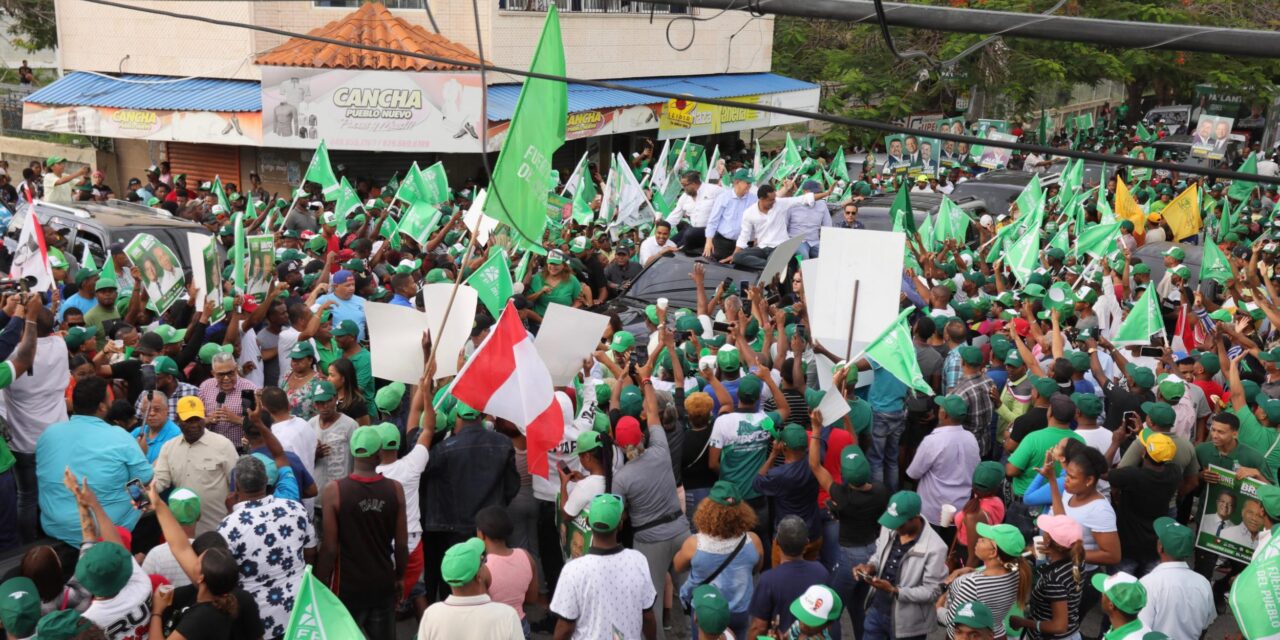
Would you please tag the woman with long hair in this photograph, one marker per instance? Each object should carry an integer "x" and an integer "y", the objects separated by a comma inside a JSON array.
[
  {"x": 1053, "y": 610},
  {"x": 724, "y": 522},
  {"x": 43, "y": 567},
  {"x": 216, "y": 607},
  {"x": 984, "y": 506},
  {"x": 1081, "y": 500},
  {"x": 1003, "y": 579},
  {"x": 556, "y": 283},
  {"x": 595, "y": 454},
  {"x": 298, "y": 381},
  {"x": 351, "y": 401}
]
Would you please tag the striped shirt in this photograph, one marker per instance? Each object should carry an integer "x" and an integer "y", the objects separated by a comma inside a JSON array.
[
  {"x": 1054, "y": 582},
  {"x": 998, "y": 592}
]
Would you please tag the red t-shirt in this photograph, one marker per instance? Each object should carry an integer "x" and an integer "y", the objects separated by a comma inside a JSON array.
[
  {"x": 1211, "y": 389},
  {"x": 837, "y": 440}
]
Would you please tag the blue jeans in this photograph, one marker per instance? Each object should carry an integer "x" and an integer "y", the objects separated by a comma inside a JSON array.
[
  {"x": 1136, "y": 568},
  {"x": 879, "y": 626},
  {"x": 28, "y": 496},
  {"x": 829, "y": 555},
  {"x": 9, "y": 536},
  {"x": 886, "y": 433},
  {"x": 692, "y": 498},
  {"x": 808, "y": 250},
  {"x": 852, "y": 592}
]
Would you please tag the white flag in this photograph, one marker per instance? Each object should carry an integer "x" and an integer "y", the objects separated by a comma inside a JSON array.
[{"x": 31, "y": 256}]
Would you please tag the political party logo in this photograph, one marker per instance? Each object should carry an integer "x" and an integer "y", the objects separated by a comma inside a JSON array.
[{"x": 682, "y": 113}]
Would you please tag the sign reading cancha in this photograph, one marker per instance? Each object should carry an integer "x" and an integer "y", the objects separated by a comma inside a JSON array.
[{"x": 371, "y": 110}]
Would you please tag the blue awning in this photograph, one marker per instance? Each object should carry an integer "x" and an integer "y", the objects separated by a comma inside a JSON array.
[
  {"x": 502, "y": 97},
  {"x": 83, "y": 89}
]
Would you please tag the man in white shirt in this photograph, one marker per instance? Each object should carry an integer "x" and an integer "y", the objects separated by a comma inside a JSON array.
[
  {"x": 1252, "y": 521},
  {"x": 658, "y": 244},
  {"x": 1267, "y": 166},
  {"x": 695, "y": 202},
  {"x": 468, "y": 613},
  {"x": 294, "y": 433},
  {"x": 408, "y": 472},
  {"x": 765, "y": 223},
  {"x": 1179, "y": 600}
]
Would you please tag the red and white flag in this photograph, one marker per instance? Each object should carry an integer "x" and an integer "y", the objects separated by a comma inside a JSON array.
[
  {"x": 1189, "y": 332},
  {"x": 31, "y": 256},
  {"x": 506, "y": 378}
]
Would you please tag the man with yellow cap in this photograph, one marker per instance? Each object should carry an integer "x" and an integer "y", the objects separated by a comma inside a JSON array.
[{"x": 1143, "y": 493}]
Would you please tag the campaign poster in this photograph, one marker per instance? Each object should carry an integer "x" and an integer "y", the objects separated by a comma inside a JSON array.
[
  {"x": 213, "y": 280},
  {"x": 952, "y": 154},
  {"x": 1231, "y": 517},
  {"x": 926, "y": 160},
  {"x": 160, "y": 271},
  {"x": 575, "y": 534},
  {"x": 1212, "y": 135},
  {"x": 985, "y": 129},
  {"x": 996, "y": 157},
  {"x": 896, "y": 159},
  {"x": 261, "y": 271},
  {"x": 1137, "y": 174}
]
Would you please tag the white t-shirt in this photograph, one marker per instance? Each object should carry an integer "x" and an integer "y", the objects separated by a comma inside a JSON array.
[
  {"x": 650, "y": 247},
  {"x": 606, "y": 594},
  {"x": 408, "y": 472},
  {"x": 298, "y": 438},
  {"x": 1100, "y": 440},
  {"x": 160, "y": 561},
  {"x": 1094, "y": 517},
  {"x": 127, "y": 616},
  {"x": 581, "y": 494},
  {"x": 250, "y": 352},
  {"x": 288, "y": 337},
  {"x": 566, "y": 451}
]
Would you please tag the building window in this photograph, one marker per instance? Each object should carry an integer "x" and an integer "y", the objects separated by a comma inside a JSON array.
[
  {"x": 355, "y": 4},
  {"x": 592, "y": 6}
]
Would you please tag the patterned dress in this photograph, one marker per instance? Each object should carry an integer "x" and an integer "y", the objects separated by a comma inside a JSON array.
[{"x": 267, "y": 537}]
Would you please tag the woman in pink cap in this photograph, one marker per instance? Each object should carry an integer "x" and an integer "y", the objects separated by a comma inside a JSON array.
[{"x": 1053, "y": 613}]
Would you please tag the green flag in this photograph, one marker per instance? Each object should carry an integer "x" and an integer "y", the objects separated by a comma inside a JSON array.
[
  {"x": 951, "y": 223},
  {"x": 1144, "y": 135},
  {"x": 221, "y": 194},
  {"x": 582, "y": 198},
  {"x": 894, "y": 352},
  {"x": 1023, "y": 255},
  {"x": 522, "y": 268},
  {"x": 1097, "y": 240},
  {"x": 1045, "y": 130},
  {"x": 518, "y": 194},
  {"x": 1060, "y": 240},
  {"x": 1005, "y": 235},
  {"x": 1214, "y": 265},
  {"x": 1243, "y": 189},
  {"x": 1253, "y": 597},
  {"x": 791, "y": 158},
  {"x": 421, "y": 219},
  {"x": 1031, "y": 201},
  {"x": 1105, "y": 214},
  {"x": 757, "y": 167},
  {"x": 435, "y": 184},
  {"x": 239, "y": 255},
  {"x": 318, "y": 614},
  {"x": 1144, "y": 320},
  {"x": 926, "y": 235},
  {"x": 321, "y": 173},
  {"x": 492, "y": 282},
  {"x": 1072, "y": 179},
  {"x": 900, "y": 211},
  {"x": 108, "y": 276},
  {"x": 1224, "y": 220},
  {"x": 87, "y": 262},
  {"x": 348, "y": 201}
]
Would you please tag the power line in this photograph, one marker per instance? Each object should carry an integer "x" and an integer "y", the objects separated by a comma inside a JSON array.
[{"x": 666, "y": 95}]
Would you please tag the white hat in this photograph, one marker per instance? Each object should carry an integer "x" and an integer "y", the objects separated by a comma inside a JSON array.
[
  {"x": 217, "y": 208},
  {"x": 985, "y": 220},
  {"x": 817, "y": 606}
]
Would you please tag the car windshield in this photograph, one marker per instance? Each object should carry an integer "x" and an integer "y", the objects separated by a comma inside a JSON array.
[{"x": 668, "y": 277}]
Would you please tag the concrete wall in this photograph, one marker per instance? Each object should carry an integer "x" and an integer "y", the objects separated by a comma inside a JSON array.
[
  {"x": 597, "y": 46},
  {"x": 21, "y": 151}
]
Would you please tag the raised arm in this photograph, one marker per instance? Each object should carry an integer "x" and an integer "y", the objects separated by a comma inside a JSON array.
[{"x": 815, "y": 451}]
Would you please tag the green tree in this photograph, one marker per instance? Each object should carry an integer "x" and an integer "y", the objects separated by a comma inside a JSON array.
[{"x": 34, "y": 27}]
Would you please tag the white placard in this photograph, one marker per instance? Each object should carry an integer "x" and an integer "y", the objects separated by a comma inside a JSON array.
[
  {"x": 196, "y": 242},
  {"x": 833, "y": 405},
  {"x": 475, "y": 216},
  {"x": 568, "y": 336},
  {"x": 874, "y": 260},
  {"x": 395, "y": 341},
  {"x": 448, "y": 338}
]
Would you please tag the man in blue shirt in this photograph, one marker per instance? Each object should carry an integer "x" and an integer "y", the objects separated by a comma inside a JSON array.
[
  {"x": 888, "y": 420},
  {"x": 726, "y": 217},
  {"x": 85, "y": 297},
  {"x": 405, "y": 289},
  {"x": 346, "y": 305},
  {"x": 104, "y": 454},
  {"x": 157, "y": 428}
]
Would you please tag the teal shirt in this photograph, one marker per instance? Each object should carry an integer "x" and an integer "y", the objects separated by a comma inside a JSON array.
[
  {"x": 364, "y": 378},
  {"x": 887, "y": 393},
  {"x": 169, "y": 431},
  {"x": 104, "y": 454}
]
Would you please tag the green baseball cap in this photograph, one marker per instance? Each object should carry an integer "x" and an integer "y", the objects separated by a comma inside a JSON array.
[
  {"x": 302, "y": 350},
  {"x": 1221, "y": 315},
  {"x": 1159, "y": 413},
  {"x": 1087, "y": 404},
  {"x": 1124, "y": 591},
  {"x": 622, "y": 340},
  {"x": 317, "y": 244},
  {"x": 974, "y": 615},
  {"x": 346, "y": 328},
  {"x": 749, "y": 388},
  {"x": 903, "y": 506},
  {"x": 209, "y": 350},
  {"x": 1079, "y": 360},
  {"x": 465, "y": 411},
  {"x": 83, "y": 274},
  {"x": 1142, "y": 377},
  {"x": 104, "y": 569},
  {"x": 169, "y": 334},
  {"x": 955, "y": 406},
  {"x": 437, "y": 275},
  {"x": 462, "y": 562},
  {"x": 631, "y": 400},
  {"x": 165, "y": 365},
  {"x": 19, "y": 607},
  {"x": 741, "y": 175},
  {"x": 970, "y": 355},
  {"x": 795, "y": 436},
  {"x": 726, "y": 493},
  {"x": 1172, "y": 388},
  {"x": 988, "y": 475},
  {"x": 728, "y": 359},
  {"x": 388, "y": 398},
  {"x": 688, "y": 323},
  {"x": 855, "y": 469},
  {"x": 365, "y": 442},
  {"x": 588, "y": 441},
  {"x": 62, "y": 625},
  {"x": 859, "y": 414},
  {"x": 1044, "y": 386},
  {"x": 1210, "y": 363},
  {"x": 77, "y": 336},
  {"x": 817, "y": 606},
  {"x": 323, "y": 391},
  {"x": 604, "y": 514},
  {"x": 185, "y": 505},
  {"x": 1140, "y": 269},
  {"x": 1269, "y": 496},
  {"x": 1270, "y": 408},
  {"x": 1176, "y": 253},
  {"x": 711, "y": 609},
  {"x": 651, "y": 313},
  {"x": 390, "y": 435},
  {"x": 1006, "y": 536},
  {"x": 1178, "y": 541},
  {"x": 1181, "y": 271}
]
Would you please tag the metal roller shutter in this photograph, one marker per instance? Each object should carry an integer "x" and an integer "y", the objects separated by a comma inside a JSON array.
[{"x": 201, "y": 162}]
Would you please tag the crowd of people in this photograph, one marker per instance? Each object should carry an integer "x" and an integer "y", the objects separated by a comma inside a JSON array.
[{"x": 182, "y": 472}]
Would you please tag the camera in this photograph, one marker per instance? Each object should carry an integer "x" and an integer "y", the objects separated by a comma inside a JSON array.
[{"x": 23, "y": 284}]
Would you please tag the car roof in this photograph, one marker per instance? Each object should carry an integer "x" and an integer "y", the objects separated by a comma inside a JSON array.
[
  {"x": 116, "y": 214},
  {"x": 919, "y": 201},
  {"x": 1005, "y": 176}
]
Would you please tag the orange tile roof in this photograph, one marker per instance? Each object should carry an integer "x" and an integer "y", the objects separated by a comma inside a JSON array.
[{"x": 371, "y": 24}]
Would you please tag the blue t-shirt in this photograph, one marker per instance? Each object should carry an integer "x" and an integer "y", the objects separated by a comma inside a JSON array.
[
  {"x": 781, "y": 585},
  {"x": 794, "y": 490},
  {"x": 731, "y": 386},
  {"x": 83, "y": 304},
  {"x": 169, "y": 431},
  {"x": 1000, "y": 377},
  {"x": 887, "y": 392},
  {"x": 352, "y": 310},
  {"x": 300, "y": 474}
]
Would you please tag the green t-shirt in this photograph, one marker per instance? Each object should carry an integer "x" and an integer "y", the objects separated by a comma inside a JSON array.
[
  {"x": 364, "y": 377},
  {"x": 1242, "y": 456},
  {"x": 1030, "y": 453},
  {"x": 98, "y": 315},
  {"x": 564, "y": 293},
  {"x": 744, "y": 444},
  {"x": 327, "y": 354},
  {"x": 1264, "y": 440},
  {"x": 6, "y": 379}
]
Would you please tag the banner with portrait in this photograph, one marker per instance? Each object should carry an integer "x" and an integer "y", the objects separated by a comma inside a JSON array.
[
  {"x": 925, "y": 162},
  {"x": 985, "y": 128},
  {"x": 575, "y": 534},
  {"x": 896, "y": 159},
  {"x": 261, "y": 270},
  {"x": 1231, "y": 517},
  {"x": 1211, "y": 137},
  {"x": 996, "y": 157},
  {"x": 160, "y": 272},
  {"x": 952, "y": 154}
]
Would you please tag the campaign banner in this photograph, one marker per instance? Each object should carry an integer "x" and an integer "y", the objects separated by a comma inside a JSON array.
[
  {"x": 206, "y": 272},
  {"x": 996, "y": 157},
  {"x": 952, "y": 154},
  {"x": 896, "y": 157},
  {"x": 160, "y": 271},
  {"x": 1211, "y": 137},
  {"x": 1231, "y": 517},
  {"x": 984, "y": 128},
  {"x": 371, "y": 110},
  {"x": 260, "y": 272},
  {"x": 925, "y": 158},
  {"x": 205, "y": 127}
]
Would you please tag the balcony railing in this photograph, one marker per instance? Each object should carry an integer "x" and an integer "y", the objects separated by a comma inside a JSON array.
[{"x": 592, "y": 6}]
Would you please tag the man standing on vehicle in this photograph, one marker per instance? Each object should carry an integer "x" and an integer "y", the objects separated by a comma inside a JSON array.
[
  {"x": 766, "y": 223},
  {"x": 725, "y": 222},
  {"x": 57, "y": 185},
  {"x": 696, "y": 201}
]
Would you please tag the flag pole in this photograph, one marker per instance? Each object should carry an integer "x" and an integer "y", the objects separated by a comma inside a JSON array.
[
  {"x": 453, "y": 294},
  {"x": 853, "y": 314}
]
